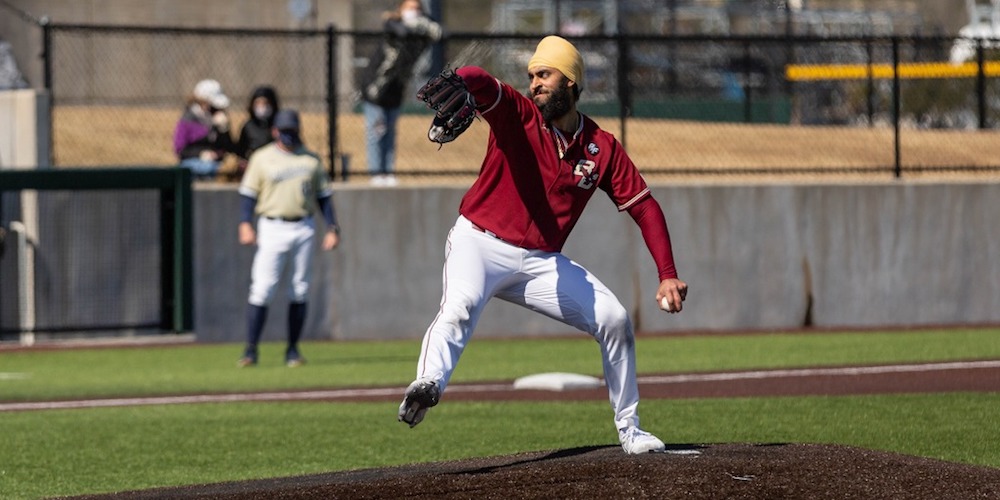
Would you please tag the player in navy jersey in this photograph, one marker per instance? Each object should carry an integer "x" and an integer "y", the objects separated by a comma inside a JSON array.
[{"x": 285, "y": 185}]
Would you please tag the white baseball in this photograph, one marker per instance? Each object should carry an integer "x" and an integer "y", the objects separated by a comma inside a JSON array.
[{"x": 665, "y": 304}]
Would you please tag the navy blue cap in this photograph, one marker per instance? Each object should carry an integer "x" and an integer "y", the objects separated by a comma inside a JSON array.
[{"x": 286, "y": 119}]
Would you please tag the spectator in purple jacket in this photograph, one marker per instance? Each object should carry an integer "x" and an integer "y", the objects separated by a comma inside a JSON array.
[{"x": 201, "y": 138}]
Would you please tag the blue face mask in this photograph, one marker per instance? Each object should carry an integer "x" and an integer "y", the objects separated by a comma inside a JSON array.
[{"x": 289, "y": 138}]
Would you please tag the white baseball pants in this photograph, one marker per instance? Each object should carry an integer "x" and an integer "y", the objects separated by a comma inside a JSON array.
[
  {"x": 277, "y": 242},
  {"x": 479, "y": 266}
]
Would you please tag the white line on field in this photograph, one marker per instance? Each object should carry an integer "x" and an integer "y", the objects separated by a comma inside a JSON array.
[
  {"x": 229, "y": 398},
  {"x": 813, "y": 372},
  {"x": 13, "y": 376},
  {"x": 476, "y": 388}
]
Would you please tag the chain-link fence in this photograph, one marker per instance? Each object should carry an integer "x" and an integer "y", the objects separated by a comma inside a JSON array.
[
  {"x": 118, "y": 92},
  {"x": 685, "y": 106}
]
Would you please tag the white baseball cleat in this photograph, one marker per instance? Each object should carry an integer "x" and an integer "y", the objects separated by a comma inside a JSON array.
[
  {"x": 636, "y": 441},
  {"x": 420, "y": 395}
]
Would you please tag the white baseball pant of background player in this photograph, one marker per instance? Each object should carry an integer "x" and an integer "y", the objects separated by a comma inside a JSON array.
[
  {"x": 479, "y": 266},
  {"x": 276, "y": 241}
]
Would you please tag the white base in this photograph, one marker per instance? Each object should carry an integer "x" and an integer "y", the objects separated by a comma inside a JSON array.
[{"x": 557, "y": 382}]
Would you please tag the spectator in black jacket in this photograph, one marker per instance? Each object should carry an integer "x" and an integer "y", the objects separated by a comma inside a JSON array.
[
  {"x": 408, "y": 32},
  {"x": 256, "y": 132}
]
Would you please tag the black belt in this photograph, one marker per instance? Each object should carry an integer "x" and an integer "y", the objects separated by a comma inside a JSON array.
[{"x": 285, "y": 219}]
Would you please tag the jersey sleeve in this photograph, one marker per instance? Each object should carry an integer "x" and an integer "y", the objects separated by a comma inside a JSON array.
[
  {"x": 321, "y": 181},
  {"x": 648, "y": 215},
  {"x": 483, "y": 86},
  {"x": 497, "y": 102},
  {"x": 250, "y": 186},
  {"x": 625, "y": 184}
]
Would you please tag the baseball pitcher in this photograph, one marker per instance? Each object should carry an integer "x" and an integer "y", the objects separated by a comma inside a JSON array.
[{"x": 544, "y": 160}]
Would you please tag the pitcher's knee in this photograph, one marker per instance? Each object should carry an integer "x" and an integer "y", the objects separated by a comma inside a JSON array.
[
  {"x": 452, "y": 321},
  {"x": 614, "y": 322},
  {"x": 455, "y": 314}
]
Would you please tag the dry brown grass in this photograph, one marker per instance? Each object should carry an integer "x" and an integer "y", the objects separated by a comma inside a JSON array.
[{"x": 118, "y": 136}]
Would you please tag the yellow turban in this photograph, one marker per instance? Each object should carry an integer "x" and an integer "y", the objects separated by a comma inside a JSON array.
[{"x": 556, "y": 52}]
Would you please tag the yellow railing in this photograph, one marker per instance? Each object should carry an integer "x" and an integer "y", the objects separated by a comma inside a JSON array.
[{"x": 813, "y": 72}]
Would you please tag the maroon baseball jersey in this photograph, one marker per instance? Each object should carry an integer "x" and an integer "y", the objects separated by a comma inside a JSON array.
[{"x": 535, "y": 181}]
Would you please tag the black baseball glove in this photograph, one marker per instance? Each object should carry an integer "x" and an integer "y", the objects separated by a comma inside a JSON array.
[{"x": 454, "y": 106}]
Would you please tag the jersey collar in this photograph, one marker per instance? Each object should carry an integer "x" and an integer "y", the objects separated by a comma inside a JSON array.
[{"x": 562, "y": 144}]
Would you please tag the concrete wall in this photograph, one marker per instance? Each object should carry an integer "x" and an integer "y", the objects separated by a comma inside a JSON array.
[{"x": 755, "y": 256}]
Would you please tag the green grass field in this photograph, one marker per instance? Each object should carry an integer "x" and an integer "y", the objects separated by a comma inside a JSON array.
[{"x": 64, "y": 452}]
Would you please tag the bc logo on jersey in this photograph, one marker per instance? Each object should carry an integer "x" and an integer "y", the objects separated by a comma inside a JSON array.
[{"x": 585, "y": 169}]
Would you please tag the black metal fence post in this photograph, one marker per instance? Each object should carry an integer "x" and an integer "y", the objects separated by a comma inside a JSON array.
[
  {"x": 788, "y": 86},
  {"x": 331, "y": 97},
  {"x": 624, "y": 90},
  {"x": 896, "y": 104},
  {"x": 177, "y": 261},
  {"x": 46, "y": 54},
  {"x": 981, "y": 82},
  {"x": 871, "y": 83},
  {"x": 672, "y": 49},
  {"x": 747, "y": 85}
]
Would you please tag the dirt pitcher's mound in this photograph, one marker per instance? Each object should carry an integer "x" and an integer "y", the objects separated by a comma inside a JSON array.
[{"x": 731, "y": 471}]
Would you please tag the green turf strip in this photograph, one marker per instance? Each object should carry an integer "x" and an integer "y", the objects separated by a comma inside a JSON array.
[
  {"x": 79, "y": 451},
  {"x": 101, "y": 450}
]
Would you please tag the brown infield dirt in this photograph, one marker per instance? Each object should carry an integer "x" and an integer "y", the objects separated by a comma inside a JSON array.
[
  {"x": 717, "y": 471},
  {"x": 721, "y": 471}
]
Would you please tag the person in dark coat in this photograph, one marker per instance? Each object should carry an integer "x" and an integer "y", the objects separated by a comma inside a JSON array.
[
  {"x": 256, "y": 132},
  {"x": 408, "y": 32}
]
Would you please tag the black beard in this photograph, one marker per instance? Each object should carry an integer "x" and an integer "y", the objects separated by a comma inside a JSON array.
[{"x": 558, "y": 105}]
